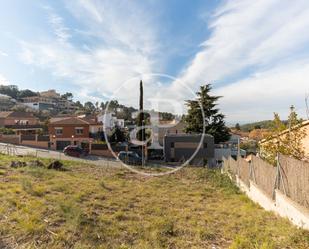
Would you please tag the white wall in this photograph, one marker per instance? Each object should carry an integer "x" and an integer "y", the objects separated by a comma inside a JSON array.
[{"x": 281, "y": 205}]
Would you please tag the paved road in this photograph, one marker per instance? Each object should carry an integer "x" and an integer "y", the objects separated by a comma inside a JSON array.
[{"x": 24, "y": 150}]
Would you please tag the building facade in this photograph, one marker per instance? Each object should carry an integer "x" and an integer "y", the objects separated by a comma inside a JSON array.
[
  {"x": 68, "y": 131},
  {"x": 194, "y": 147},
  {"x": 21, "y": 122}
]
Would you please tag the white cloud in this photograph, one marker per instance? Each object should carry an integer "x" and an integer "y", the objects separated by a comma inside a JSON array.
[
  {"x": 2, "y": 53},
  {"x": 258, "y": 96},
  {"x": 258, "y": 43},
  {"x": 3, "y": 80},
  {"x": 267, "y": 39},
  {"x": 124, "y": 49}
]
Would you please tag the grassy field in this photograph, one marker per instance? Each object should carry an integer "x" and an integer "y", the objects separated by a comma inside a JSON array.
[{"x": 87, "y": 206}]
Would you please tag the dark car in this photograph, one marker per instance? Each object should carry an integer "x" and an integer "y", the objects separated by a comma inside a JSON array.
[
  {"x": 130, "y": 157},
  {"x": 76, "y": 151}
]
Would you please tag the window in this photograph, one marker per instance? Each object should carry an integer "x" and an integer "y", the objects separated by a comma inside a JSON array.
[
  {"x": 79, "y": 130},
  {"x": 58, "y": 131},
  {"x": 172, "y": 145},
  {"x": 205, "y": 145}
]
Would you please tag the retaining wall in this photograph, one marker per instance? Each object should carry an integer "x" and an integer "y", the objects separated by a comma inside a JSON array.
[{"x": 281, "y": 205}]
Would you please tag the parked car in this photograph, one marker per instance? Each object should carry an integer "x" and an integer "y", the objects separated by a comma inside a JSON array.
[
  {"x": 130, "y": 157},
  {"x": 74, "y": 150}
]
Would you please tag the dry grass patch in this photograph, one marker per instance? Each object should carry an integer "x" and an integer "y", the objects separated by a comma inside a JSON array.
[{"x": 88, "y": 206}]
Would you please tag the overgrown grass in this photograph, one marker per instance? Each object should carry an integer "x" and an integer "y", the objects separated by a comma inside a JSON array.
[{"x": 88, "y": 206}]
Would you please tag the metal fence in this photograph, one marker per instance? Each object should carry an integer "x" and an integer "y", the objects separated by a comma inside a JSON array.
[
  {"x": 295, "y": 179},
  {"x": 14, "y": 150},
  {"x": 244, "y": 170},
  {"x": 263, "y": 175},
  {"x": 290, "y": 176}
]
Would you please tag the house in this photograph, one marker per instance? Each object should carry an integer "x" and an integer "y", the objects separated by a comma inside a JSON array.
[
  {"x": 49, "y": 100},
  {"x": 170, "y": 127},
  {"x": 95, "y": 126},
  {"x": 305, "y": 141},
  {"x": 230, "y": 147},
  {"x": 40, "y": 106},
  {"x": 64, "y": 131},
  {"x": 110, "y": 121},
  {"x": 73, "y": 130},
  {"x": 193, "y": 147},
  {"x": 21, "y": 122}
]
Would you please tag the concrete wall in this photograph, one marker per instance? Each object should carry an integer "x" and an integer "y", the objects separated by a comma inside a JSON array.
[
  {"x": 38, "y": 144},
  {"x": 104, "y": 153},
  {"x": 297, "y": 214},
  {"x": 281, "y": 205},
  {"x": 10, "y": 139}
]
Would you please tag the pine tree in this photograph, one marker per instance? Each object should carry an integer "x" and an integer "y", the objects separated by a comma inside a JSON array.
[{"x": 214, "y": 121}]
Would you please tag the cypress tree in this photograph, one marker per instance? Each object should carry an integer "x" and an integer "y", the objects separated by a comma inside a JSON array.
[{"x": 140, "y": 119}]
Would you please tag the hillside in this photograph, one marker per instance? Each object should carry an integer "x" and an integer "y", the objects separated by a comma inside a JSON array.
[
  {"x": 87, "y": 206},
  {"x": 265, "y": 124}
]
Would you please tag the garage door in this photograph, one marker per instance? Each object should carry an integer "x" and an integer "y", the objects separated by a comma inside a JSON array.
[{"x": 60, "y": 145}]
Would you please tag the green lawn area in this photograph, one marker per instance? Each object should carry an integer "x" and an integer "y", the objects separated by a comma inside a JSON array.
[{"x": 88, "y": 206}]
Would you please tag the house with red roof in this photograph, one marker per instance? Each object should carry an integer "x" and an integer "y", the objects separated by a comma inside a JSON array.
[{"x": 71, "y": 130}]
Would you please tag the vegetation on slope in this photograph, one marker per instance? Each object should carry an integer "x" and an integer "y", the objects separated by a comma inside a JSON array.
[{"x": 87, "y": 206}]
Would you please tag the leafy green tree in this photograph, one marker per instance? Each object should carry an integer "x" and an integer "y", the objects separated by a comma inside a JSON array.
[
  {"x": 102, "y": 106},
  {"x": 117, "y": 135},
  {"x": 284, "y": 139},
  {"x": 166, "y": 116},
  {"x": 89, "y": 107},
  {"x": 237, "y": 127},
  {"x": 10, "y": 90},
  {"x": 79, "y": 105},
  {"x": 68, "y": 96},
  {"x": 26, "y": 93},
  {"x": 214, "y": 121}
]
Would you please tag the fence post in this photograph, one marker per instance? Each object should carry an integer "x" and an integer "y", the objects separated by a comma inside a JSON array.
[
  {"x": 238, "y": 156},
  {"x": 252, "y": 174},
  {"x": 280, "y": 175},
  {"x": 277, "y": 180}
]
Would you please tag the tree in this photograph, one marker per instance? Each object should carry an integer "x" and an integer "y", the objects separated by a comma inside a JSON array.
[
  {"x": 103, "y": 106},
  {"x": 286, "y": 140},
  {"x": 26, "y": 93},
  {"x": 79, "y": 105},
  {"x": 140, "y": 118},
  {"x": 237, "y": 127},
  {"x": 117, "y": 135},
  {"x": 10, "y": 90},
  {"x": 68, "y": 96},
  {"x": 214, "y": 121},
  {"x": 166, "y": 116},
  {"x": 89, "y": 107}
]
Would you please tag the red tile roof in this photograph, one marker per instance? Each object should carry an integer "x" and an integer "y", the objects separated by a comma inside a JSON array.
[{"x": 16, "y": 115}]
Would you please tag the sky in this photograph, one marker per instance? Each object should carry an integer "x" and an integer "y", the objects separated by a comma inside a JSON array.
[{"x": 254, "y": 53}]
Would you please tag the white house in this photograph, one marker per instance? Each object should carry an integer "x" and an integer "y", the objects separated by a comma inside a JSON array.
[{"x": 109, "y": 121}]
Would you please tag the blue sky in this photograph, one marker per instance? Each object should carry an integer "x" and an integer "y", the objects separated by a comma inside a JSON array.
[{"x": 255, "y": 53}]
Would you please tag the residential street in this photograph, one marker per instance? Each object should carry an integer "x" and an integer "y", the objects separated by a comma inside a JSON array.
[{"x": 23, "y": 150}]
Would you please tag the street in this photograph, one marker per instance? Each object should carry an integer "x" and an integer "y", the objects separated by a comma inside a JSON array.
[{"x": 24, "y": 150}]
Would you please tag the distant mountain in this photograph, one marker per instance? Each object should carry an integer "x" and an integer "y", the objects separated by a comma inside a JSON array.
[{"x": 265, "y": 124}]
